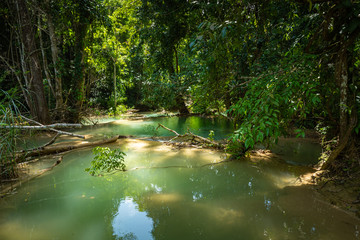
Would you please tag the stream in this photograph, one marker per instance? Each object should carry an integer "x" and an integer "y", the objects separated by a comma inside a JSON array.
[{"x": 175, "y": 193}]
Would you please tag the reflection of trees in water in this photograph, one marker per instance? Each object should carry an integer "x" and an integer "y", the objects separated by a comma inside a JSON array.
[
  {"x": 130, "y": 223},
  {"x": 194, "y": 202},
  {"x": 218, "y": 201}
]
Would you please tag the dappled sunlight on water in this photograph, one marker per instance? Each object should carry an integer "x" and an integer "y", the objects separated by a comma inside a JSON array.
[
  {"x": 173, "y": 194},
  {"x": 156, "y": 154},
  {"x": 160, "y": 198}
]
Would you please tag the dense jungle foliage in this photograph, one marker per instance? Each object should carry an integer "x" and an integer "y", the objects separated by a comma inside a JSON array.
[{"x": 273, "y": 67}]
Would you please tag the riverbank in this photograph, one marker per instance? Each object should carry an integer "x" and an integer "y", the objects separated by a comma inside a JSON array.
[{"x": 342, "y": 191}]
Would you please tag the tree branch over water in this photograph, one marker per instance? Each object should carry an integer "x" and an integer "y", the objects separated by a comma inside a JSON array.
[{"x": 50, "y": 127}]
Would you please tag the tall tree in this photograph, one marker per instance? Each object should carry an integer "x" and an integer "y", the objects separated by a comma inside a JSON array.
[
  {"x": 38, "y": 104},
  {"x": 54, "y": 53}
]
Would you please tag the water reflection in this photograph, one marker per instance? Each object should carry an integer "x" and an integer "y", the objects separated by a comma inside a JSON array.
[
  {"x": 181, "y": 198},
  {"x": 130, "y": 223}
]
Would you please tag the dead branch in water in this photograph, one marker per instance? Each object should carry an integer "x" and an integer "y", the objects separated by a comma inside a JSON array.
[
  {"x": 63, "y": 148},
  {"x": 41, "y": 147},
  {"x": 52, "y": 127},
  {"x": 47, "y": 127},
  {"x": 193, "y": 137}
]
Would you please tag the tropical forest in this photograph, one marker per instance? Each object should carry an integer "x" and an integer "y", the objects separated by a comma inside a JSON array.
[{"x": 179, "y": 119}]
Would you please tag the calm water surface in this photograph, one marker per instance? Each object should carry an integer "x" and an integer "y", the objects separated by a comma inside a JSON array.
[{"x": 172, "y": 194}]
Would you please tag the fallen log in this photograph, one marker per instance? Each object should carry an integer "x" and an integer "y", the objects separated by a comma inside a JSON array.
[
  {"x": 53, "y": 150},
  {"x": 193, "y": 137},
  {"x": 64, "y": 148}
]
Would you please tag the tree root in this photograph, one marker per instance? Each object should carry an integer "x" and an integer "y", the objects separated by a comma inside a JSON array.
[{"x": 330, "y": 162}]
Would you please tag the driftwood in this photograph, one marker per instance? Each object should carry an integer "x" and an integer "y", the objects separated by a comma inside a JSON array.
[
  {"x": 63, "y": 148},
  {"x": 193, "y": 137}
]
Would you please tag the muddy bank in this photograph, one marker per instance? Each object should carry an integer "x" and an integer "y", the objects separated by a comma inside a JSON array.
[{"x": 342, "y": 192}]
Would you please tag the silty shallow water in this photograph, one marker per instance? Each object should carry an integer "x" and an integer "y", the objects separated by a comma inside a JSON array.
[{"x": 172, "y": 194}]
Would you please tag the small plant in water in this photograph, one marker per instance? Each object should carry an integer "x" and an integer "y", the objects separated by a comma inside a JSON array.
[
  {"x": 106, "y": 160},
  {"x": 211, "y": 135}
]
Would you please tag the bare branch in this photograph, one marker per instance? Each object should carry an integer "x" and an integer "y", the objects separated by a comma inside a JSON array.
[
  {"x": 193, "y": 137},
  {"x": 41, "y": 147},
  {"x": 44, "y": 127},
  {"x": 47, "y": 127}
]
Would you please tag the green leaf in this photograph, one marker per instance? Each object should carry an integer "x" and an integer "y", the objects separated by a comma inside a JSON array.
[{"x": 106, "y": 160}]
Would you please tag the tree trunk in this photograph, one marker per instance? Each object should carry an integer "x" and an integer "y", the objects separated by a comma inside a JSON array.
[
  {"x": 341, "y": 76},
  {"x": 80, "y": 34},
  {"x": 54, "y": 55},
  {"x": 180, "y": 102},
  {"x": 115, "y": 87},
  {"x": 36, "y": 86},
  {"x": 22, "y": 64},
  {"x": 45, "y": 62},
  {"x": 347, "y": 123}
]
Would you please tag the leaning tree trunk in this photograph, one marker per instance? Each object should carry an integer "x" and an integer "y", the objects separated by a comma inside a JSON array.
[
  {"x": 36, "y": 87},
  {"x": 347, "y": 122}
]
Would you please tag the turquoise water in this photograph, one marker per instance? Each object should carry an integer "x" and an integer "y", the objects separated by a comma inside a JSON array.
[
  {"x": 147, "y": 128},
  {"x": 170, "y": 194}
]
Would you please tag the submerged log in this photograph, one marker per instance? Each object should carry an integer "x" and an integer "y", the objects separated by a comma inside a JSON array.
[{"x": 63, "y": 148}]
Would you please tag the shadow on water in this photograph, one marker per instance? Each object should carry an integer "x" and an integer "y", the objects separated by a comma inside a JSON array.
[{"x": 253, "y": 199}]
